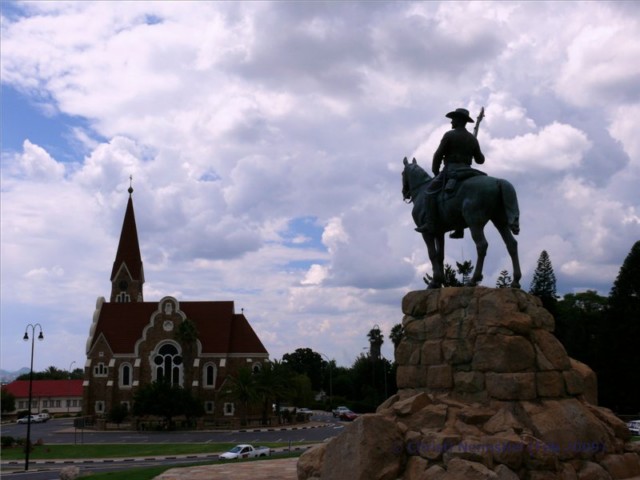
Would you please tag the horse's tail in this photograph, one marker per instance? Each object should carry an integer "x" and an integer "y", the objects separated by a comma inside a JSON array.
[{"x": 510, "y": 205}]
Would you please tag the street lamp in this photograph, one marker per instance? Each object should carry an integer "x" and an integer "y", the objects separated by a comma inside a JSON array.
[
  {"x": 330, "y": 379},
  {"x": 69, "y": 389},
  {"x": 26, "y": 338}
]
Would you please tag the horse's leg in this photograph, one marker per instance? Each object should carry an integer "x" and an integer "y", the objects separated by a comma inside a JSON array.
[
  {"x": 477, "y": 233},
  {"x": 512, "y": 248},
  {"x": 436, "y": 263}
]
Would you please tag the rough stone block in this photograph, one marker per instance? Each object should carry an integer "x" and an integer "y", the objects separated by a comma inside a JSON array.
[
  {"x": 367, "y": 449},
  {"x": 458, "y": 468},
  {"x": 434, "y": 444},
  {"x": 503, "y": 353},
  {"x": 511, "y": 386},
  {"x": 505, "y": 473},
  {"x": 414, "y": 329},
  {"x": 468, "y": 382},
  {"x": 420, "y": 302},
  {"x": 310, "y": 462},
  {"x": 573, "y": 382},
  {"x": 593, "y": 471},
  {"x": 503, "y": 421},
  {"x": 621, "y": 466},
  {"x": 411, "y": 376},
  {"x": 457, "y": 351},
  {"x": 550, "y": 354},
  {"x": 589, "y": 379},
  {"x": 415, "y": 468},
  {"x": 440, "y": 377},
  {"x": 506, "y": 449},
  {"x": 550, "y": 384},
  {"x": 411, "y": 405},
  {"x": 431, "y": 353}
]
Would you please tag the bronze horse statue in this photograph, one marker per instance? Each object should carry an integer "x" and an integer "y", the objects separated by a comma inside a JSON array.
[{"x": 476, "y": 201}]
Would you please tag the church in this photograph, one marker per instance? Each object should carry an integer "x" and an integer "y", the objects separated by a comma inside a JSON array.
[{"x": 132, "y": 342}]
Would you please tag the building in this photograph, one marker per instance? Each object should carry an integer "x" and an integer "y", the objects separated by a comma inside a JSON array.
[
  {"x": 131, "y": 343},
  {"x": 57, "y": 397}
]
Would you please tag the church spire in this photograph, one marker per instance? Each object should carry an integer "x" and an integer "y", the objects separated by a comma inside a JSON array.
[{"x": 127, "y": 275}]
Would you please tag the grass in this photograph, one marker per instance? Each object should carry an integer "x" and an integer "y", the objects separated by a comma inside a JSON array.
[{"x": 51, "y": 452}]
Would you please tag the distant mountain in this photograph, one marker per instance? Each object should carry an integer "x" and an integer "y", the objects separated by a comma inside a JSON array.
[{"x": 8, "y": 377}]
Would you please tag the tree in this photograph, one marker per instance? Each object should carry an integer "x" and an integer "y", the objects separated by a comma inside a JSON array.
[
  {"x": 162, "y": 399},
  {"x": 504, "y": 280},
  {"x": 619, "y": 390},
  {"x": 308, "y": 362},
  {"x": 396, "y": 335},
  {"x": 273, "y": 384},
  {"x": 243, "y": 389},
  {"x": 465, "y": 269},
  {"x": 376, "y": 339},
  {"x": 543, "y": 284},
  {"x": 118, "y": 413},
  {"x": 450, "y": 279},
  {"x": 7, "y": 401}
]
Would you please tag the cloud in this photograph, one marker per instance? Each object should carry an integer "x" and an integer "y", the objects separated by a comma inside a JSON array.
[{"x": 265, "y": 143}]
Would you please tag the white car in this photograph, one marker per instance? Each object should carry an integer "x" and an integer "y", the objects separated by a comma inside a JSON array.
[
  {"x": 634, "y": 427},
  {"x": 34, "y": 419},
  {"x": 245, "y": 451}
]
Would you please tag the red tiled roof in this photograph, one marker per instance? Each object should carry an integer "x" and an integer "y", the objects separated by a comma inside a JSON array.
[
  {"x": 220, "y": 330},
  {"x": 45, "y": 388},
  {"x": 128, "y": 247}
]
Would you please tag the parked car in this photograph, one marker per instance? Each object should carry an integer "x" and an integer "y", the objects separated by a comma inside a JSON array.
[
  {"x": 305, "y": 411},
  {"x": 44, "y": 417},
  {"x": 634, "y": 427},
  {"x": 348, "y": 416},
  {"x": 25, "y": 419},
  {"x": 339, "y": 410},
  {"x": 245, "y": 451}
]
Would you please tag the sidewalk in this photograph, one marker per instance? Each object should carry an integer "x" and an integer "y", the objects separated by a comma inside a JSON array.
[{"x": 280, "y": 469}]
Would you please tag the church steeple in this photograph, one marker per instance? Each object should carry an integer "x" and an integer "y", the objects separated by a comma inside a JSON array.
[{"x": 127, "y": 275}]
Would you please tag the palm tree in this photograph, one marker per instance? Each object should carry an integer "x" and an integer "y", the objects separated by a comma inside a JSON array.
[
  {"x": 376, "y": 339},
  {"x": 243, "y": 389},
  {"x": 273, "y": 383},
  {"x": 397, "y": 332}
]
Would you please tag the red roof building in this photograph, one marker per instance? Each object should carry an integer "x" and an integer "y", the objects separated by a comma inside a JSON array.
[
  {"x": 53, "y": 396},
  {"x": 195, "y": 344}
]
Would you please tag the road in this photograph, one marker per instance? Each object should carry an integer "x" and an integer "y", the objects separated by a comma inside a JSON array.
[{"x": 61, "y": 431}]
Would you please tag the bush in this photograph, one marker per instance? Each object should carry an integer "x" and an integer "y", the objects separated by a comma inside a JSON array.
[{"x": 7, "y": 441}]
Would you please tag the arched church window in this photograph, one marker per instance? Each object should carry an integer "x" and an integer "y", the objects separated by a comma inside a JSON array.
[
  {"x": 125, "y": 375},
  {"x": 210, "y": 373},
  {"x": 167, "y": 364}
]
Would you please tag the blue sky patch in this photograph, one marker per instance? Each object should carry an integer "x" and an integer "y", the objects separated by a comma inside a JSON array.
[
  {"x": 304, "y": 232},
  {"x": 21, "y": 119}
]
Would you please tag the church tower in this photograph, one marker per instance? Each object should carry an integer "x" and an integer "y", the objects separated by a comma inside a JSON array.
[{"x": 127, "y": 275}]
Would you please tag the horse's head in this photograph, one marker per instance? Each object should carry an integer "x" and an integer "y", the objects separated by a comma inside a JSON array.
[{"x": 413, "y": 177}]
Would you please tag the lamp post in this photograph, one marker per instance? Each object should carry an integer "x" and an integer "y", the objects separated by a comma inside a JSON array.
[
  {"x": 69, "y": 389},
  {"x": 330, "y": 379},
  {"x": 26, "y": 338}
]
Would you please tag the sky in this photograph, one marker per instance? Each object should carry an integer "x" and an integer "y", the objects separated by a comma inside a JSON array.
[{"x": 265, "y": 141}]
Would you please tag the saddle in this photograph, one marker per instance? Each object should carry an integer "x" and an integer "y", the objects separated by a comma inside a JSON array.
[{"x": 456, "y": 177}]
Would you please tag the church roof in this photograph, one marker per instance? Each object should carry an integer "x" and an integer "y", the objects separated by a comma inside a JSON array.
[
  {"x": 220, "y": 329},
  {"x": 128, "y": 247},
  {"x": 45, "y": 388}
]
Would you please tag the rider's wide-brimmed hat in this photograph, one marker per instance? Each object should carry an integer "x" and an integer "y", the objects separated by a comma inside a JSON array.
[{"x": 460, "y": 113}]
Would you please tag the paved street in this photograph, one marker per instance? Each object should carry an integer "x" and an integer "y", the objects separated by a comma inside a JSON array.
[{"x": 61, "y": 431}]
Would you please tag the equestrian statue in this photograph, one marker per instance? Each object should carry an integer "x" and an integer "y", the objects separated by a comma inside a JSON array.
[{"x": 460, "y": 197}]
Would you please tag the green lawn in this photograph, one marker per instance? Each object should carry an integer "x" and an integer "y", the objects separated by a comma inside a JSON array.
[{"x": 50, "y": 452}]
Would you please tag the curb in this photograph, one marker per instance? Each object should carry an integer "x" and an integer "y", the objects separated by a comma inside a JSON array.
[{"x": 94, "y": 461}]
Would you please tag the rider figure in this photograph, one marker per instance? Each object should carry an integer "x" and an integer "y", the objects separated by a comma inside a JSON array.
[{"x": 457, "y": 149}]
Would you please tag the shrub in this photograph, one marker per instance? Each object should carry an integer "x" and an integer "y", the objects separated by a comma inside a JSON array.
[{"x": 7, "y": 441}]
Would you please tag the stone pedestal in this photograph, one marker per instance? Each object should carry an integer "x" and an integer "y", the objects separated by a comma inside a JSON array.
[{"x": 485, "y": 392}]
